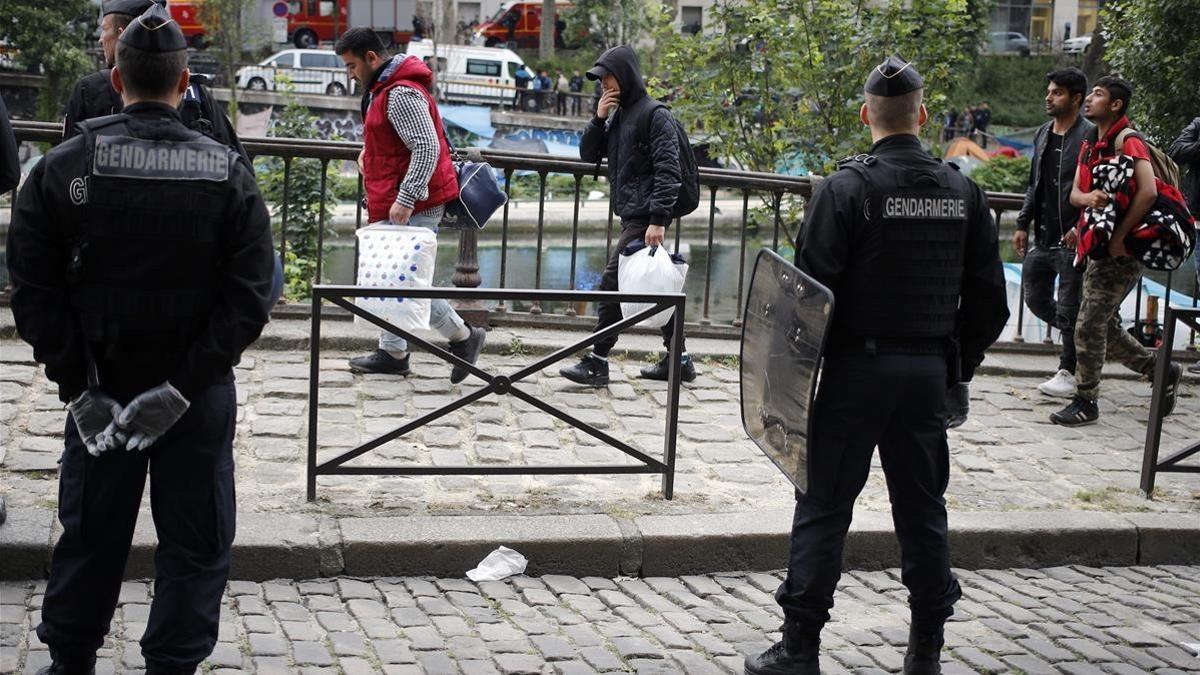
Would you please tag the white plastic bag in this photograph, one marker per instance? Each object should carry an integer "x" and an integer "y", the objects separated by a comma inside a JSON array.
[
  {"x": 396, "y": 256},
  {"x": 650, "y": 270},
  {"x": 499, "y": 564}
]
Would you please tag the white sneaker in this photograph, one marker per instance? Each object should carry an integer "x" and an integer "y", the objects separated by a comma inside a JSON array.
[{"x": 1061, "y": 385}]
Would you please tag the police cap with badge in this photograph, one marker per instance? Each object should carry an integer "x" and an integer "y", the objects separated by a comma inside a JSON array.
[
  {"x": 894, "y": 77},
  {"x": 154, "y": 31},
  {"x": 131, "y": 8}
]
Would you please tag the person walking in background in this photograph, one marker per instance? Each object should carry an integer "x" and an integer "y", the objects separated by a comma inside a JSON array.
[
  {"x": 982, "y": 118},
  {"x": 1048, "y": 208},
  {"x": 560, "y": 92},
  {"x": 1112, "y": 274},
  {"x": 408, "y": 177},
  {"x": 576, "y": 87},
  {"x": 645, "y": 179},
  {"x": 1185, "y": 150}
]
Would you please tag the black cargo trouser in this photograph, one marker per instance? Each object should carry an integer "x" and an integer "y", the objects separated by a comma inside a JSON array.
[
  {"x": 192, "y": 501},
  {"x": 609, "y": 313},
  {"x": 1038, "y": 271},
  {"x": 894, "y": 401}
]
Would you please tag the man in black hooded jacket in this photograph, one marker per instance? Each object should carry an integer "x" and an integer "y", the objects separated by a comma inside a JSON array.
[{"x": 644, "y": 178}]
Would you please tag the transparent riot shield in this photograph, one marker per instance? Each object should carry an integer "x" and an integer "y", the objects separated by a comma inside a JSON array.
[{"x": 783, "y": 335}]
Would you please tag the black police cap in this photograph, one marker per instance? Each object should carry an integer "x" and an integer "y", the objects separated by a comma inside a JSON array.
[
  {"x": 128, "y": 7},
  {"x": 893, "y": 77},
  {"x": 154, "y": 31}
]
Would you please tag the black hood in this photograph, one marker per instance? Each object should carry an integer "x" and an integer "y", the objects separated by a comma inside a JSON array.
[{"x": 622, "y": 62}]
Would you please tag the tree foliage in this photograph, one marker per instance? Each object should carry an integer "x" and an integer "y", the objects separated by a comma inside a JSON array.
[
  {"x": 1153, "y": 44},
  {"x": 227, "y": 28},
  {"x": 776, "y": 85},
  {"x": 609, "y": 23},
  {"x": 303, "y": 203},
  {"x": 51, "y": 38},
  {"x": 1003, "y": 174}
]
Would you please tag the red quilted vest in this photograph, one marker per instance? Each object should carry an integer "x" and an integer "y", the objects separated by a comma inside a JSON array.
[{"x": 386, "y": 158}]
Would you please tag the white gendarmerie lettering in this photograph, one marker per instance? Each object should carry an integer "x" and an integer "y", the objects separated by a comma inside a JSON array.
[
  {"x": 126, "y": 157},
  {"x": 932, "y": 208}
]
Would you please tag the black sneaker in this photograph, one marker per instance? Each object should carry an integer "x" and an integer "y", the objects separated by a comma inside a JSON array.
[
  {"x": 924, "y": 653},
  {"x": 468, "y": 350},
  {"x": 793, "y": 655},
  {"x": 1173, "y": 377},
  {"x": 661, "y": 370},
  {"x": 591, "y": 371},
  {"x": 1080, "y": 411},
  {"x": 380, "y": 362},
  {"x": 1194, "y": 368}
]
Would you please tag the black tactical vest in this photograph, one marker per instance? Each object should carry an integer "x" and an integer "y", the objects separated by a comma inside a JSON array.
[
  {"x": 143, "y": 264},
  {"x": 905, "y": 278}
]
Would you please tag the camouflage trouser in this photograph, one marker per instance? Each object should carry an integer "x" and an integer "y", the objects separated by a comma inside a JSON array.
[{"x": 1098, "y": 331}]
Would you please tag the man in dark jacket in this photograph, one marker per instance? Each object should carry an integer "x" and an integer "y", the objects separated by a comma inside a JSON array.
[
  {"x": 140, "y": 257},
  {"x": 1048, "y": 206},
  {"x": 94, "y": 95},
  {"x": 1185, "y": 150},
  {"x": 644, "y": 178}
]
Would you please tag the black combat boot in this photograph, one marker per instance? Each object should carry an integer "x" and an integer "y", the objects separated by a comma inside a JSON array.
[
  {"x": 661, "y": 370},
  {"x": 591, "y": 371},
  {"x": 924, "y": 652},
  {"x": 61, "y": 665},
  {"x": 795, "y": 654}
]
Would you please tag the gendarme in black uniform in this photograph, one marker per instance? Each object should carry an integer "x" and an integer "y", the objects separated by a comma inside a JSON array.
[
  {"x": 144, "y": 248},
  {"x": 908, "y": 247},
  {"x": 94, "y": 95}
]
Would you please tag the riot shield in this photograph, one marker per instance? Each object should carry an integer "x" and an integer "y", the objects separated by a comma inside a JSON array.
[{"x": 783, "y": 335}]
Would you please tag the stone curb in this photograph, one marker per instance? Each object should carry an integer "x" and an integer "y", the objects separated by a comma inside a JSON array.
[{"x": 299, "y": 546}]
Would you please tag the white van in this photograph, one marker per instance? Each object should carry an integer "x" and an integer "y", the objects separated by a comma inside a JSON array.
[
  {"x": 472, "y": 74},
  {"x": 312, "y": 71}
]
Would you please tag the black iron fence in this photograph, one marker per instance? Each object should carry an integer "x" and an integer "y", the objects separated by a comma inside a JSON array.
[
  {"x": 510, "y": 384},
  {"x": 768, "y": 208},
  {"x": 1151, "y": 465}
]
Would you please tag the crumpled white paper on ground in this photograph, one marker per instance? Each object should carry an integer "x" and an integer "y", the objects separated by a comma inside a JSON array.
[{"x": 499, "y": 564}]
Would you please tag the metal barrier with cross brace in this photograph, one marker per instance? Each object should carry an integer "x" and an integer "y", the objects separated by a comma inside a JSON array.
[
  {"x": 499, "y": 385},
  {"x": 1151, "y": 465}
]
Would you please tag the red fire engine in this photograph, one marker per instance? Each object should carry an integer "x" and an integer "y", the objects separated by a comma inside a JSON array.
[{"x": 310, "y": 22}]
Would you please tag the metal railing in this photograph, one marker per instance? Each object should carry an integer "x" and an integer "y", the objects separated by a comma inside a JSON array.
[
  {"x": 752, "y": 189},
  {"x": 498, "y": 385},
  {"x": 1151, "y": 465}
]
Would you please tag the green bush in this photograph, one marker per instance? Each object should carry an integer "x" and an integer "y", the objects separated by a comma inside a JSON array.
[{"x": 1003, "y": 174}]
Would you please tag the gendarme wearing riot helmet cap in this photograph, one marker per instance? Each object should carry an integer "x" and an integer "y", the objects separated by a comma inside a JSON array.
[
  {"x": 170, "y": 272},
  {"x": 907, "y": 245},
  {"x": 154, "y": 31},
  {"x": 94, "y": 95}
]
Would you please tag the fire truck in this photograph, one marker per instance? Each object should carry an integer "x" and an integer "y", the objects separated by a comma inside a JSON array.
[{"x": 310, "y": 22}]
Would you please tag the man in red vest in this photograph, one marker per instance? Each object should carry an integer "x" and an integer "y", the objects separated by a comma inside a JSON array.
[{"x": 407, "y": 175}]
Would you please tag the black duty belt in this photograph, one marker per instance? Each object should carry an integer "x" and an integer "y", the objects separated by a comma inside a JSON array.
[{"x": 873, "y": 346}]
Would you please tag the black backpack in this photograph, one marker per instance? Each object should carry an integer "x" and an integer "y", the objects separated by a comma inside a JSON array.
[{"x": 689, "y": 174}]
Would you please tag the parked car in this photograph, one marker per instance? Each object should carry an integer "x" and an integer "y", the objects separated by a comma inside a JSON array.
[
  {"x": 472, "y": 74},
  {"x": 1008, "y": 42},
  {"x": 311, "y": 71},
  {"x": 1077, "y": 45}
]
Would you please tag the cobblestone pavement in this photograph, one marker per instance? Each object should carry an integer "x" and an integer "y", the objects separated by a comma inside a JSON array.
[
  {"x": 1007, "y": 457},
  {"x": 1060, "y": 620}
]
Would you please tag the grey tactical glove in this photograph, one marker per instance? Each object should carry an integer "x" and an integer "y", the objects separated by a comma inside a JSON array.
[
  {"x": 146, "y": 418},
  {"x": 93, "y": 412},
  {"x": 958, "y": 405}
]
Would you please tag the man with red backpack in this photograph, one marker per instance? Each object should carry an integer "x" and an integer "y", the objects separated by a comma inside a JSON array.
[
  {"x": 1118, "y": 156},
  {"x": 408, "y": 177}
]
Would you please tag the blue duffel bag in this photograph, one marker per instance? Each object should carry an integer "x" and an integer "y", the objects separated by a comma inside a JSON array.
[{"x": 479, "y": 196}]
